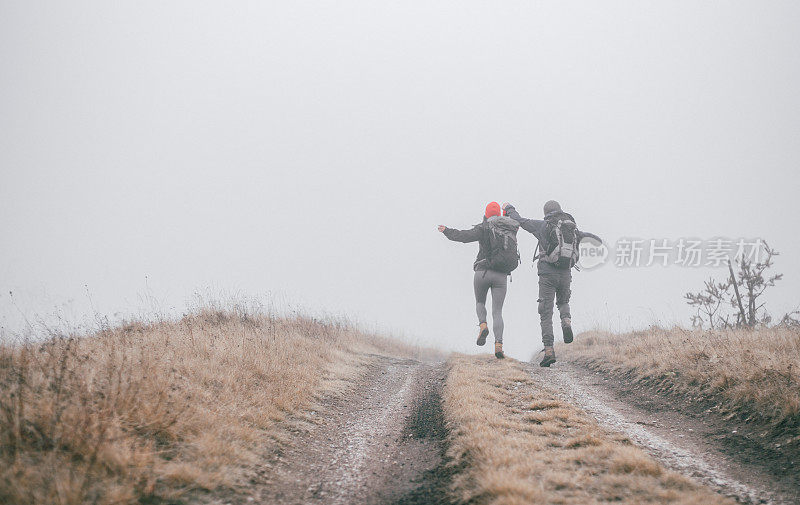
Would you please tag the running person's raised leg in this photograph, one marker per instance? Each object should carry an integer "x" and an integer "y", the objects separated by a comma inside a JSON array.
[{"x": 481, "y": 285}]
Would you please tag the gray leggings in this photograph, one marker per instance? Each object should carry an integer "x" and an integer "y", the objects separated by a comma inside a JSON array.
[{"x": 498, "y": 282}]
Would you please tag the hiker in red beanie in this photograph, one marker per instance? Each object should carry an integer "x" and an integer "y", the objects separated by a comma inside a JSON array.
[
  {"x": 497, "y": 257},
  {"x": 492, "y": 209}
]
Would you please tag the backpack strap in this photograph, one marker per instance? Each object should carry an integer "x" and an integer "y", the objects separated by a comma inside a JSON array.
[{"x": 489, "y": 234}]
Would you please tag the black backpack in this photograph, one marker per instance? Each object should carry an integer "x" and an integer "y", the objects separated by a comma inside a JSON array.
[
  {"x": 559, "y": 244},
  {"x": 502, "y": 254}
]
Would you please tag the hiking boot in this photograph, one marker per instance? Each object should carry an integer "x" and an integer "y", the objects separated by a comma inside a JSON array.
[
  {"x": 566, "y": 330},
  {"x": 482, "y": 334},
  {"x": 498, "y": 350},
  {"x": 549, "y": 356}
]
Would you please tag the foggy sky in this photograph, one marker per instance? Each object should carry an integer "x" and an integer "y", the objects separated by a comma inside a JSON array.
[{"x": 309, "y": 149}]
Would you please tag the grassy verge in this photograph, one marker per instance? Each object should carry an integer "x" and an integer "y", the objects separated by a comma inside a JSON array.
[
  {"x": 514, "y": 443},
  {"x": 145, "y": 413},
  {"x": 754, "y": 375}
]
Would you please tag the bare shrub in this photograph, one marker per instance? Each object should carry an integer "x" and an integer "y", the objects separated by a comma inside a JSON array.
[{"x": 741, "y": 292}]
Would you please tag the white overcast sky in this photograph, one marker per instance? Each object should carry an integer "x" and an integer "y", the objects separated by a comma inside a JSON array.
[{"x": 309, "y": 149}]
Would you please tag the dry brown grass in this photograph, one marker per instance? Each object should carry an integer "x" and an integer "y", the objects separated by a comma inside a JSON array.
[
  {"x": 513, "y": 443},
  {"x": 147, "y": 412},
  {"x": 754, "y": 374}
]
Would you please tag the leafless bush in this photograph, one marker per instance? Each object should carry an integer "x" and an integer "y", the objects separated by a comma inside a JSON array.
[
  {"x": 791, "y": 320},
  {"x": 708, "y": 302},
  {"x": 736, "y": 301}
]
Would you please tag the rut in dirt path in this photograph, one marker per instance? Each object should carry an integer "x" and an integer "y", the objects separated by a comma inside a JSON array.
[
  {"x": 382, "y": 442},
  {"x": 681, "y": 441}
]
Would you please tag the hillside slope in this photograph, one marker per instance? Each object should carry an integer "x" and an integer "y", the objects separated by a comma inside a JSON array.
[
  {"x": 753, "y": 375},
  {"x": 145, "y": 413}
]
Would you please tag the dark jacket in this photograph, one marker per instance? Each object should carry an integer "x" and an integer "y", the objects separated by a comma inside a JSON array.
[
  {"x": 536, "y": 228},
  {"x": 477, "y": 233}
]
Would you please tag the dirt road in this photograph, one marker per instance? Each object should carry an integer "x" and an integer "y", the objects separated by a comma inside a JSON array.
[
  {"x": 380, "y": 443},
  {"x": 383, "y": 441},
  {"x": 695, "y": 445}
]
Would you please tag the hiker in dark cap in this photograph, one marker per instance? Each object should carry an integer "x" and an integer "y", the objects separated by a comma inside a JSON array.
[{"x": 559, "y": 241}]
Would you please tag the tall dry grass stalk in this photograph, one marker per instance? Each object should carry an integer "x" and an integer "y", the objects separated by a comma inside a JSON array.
[
  {"x": 754, "y": 374},
  {"x": 513, "y": 443},
  {"x": 147, "y": 412}
]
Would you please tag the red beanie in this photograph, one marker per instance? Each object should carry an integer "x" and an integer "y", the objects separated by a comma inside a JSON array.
[{"x": 493, "y": 209}]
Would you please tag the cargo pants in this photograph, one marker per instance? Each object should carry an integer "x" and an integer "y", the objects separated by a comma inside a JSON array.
[{"x": 553, "y": 285}]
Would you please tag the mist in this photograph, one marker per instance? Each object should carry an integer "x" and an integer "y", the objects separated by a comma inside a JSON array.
[{"x": 306, "y": 151}]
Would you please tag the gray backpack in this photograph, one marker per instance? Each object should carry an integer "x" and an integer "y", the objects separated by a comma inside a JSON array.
[
  {"x": 502, "y": 253},
  {"x": 559, "y": 245}
]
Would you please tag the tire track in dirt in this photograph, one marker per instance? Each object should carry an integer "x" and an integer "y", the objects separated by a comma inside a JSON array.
[
  {"x": 382, "y": 442},
  {"x": 680, "y": 441}
]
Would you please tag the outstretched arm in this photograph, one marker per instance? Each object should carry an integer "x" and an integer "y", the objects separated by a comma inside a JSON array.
[
  {"x": 585, "y": 234},
  {"x": 533, "y": 226},
  {"x": 465, "y": 236}
]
